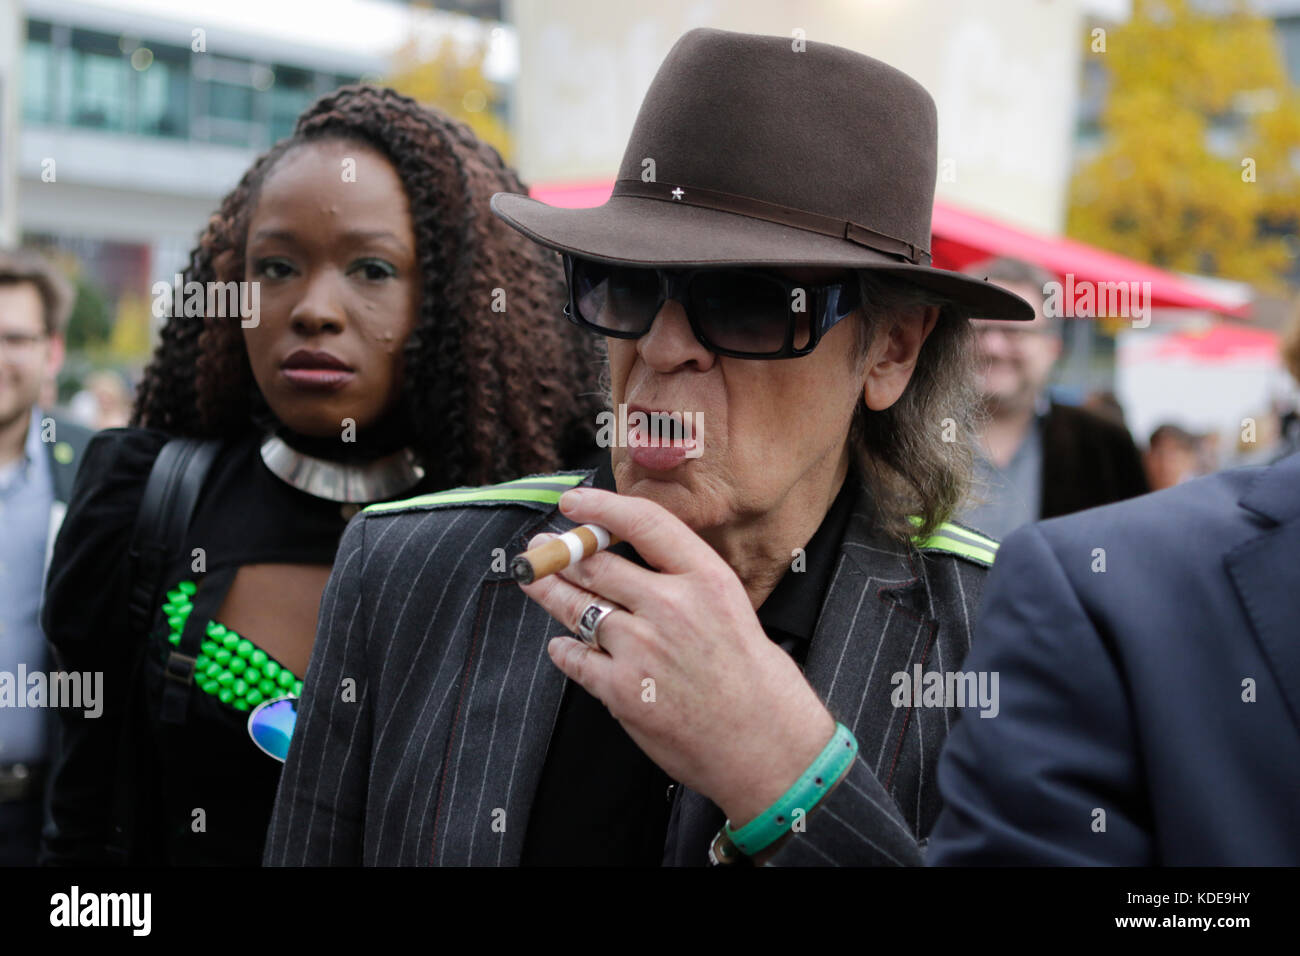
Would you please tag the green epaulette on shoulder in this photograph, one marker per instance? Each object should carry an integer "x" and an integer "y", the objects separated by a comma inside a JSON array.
[
  {"x": 959, "y": 540},
  {"x": 541, "y": 492}
]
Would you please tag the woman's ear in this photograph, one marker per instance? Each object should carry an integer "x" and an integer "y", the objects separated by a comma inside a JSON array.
[{"x": 893, "y": 355}]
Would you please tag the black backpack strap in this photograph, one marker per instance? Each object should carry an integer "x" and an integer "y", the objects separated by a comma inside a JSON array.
[
  {"x": 179, "y": 672},
  {"x": 159, "y": 534},
  {"x": 165, "y": 512}
]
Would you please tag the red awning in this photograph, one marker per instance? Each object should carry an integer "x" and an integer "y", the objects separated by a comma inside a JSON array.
[
  {"x": 961, "y": 238},
  {"x": 1218, "y": 342}
]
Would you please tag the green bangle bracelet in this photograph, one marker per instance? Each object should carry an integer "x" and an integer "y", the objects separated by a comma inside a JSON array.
[{"x": 774, "y": 822}]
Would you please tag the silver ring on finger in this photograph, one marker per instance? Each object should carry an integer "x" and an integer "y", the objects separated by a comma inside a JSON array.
[{"x": 590, "y": 620}]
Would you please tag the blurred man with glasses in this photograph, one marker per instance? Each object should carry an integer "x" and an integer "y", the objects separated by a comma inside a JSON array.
[
  {"x": 38, "y": 461},
  {"x": 1038, "y": 458}
]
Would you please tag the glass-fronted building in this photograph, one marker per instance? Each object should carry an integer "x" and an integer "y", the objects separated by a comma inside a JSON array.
[{"x": 82, "y": 78}]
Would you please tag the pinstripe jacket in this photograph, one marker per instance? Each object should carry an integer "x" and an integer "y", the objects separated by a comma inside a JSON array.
[{"x": 430, "y": 701}]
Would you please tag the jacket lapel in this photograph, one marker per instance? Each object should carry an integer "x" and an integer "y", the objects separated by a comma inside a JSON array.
[
  {"x": 876, "y": 621},
  {"x": 1266, "y": 574}
]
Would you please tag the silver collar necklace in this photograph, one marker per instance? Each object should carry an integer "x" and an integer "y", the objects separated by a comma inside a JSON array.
[{"x": 359, "y": 483}]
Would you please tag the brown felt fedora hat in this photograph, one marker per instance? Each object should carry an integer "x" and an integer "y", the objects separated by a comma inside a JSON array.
[{"x": 771, "y": 152}]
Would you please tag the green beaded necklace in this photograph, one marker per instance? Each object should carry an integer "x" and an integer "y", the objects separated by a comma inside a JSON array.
[{"x": 229, "y": 667}]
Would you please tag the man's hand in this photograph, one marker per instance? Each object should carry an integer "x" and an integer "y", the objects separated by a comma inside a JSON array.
[{"x": 687, "y": 668}]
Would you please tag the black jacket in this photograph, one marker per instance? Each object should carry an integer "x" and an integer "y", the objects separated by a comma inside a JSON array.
[
  {"x": 455, "y": 698},
  {"x": 167, "y": 767},
  {"x": 64, "y": 455},
  {"x": 1087, "y": 461}
]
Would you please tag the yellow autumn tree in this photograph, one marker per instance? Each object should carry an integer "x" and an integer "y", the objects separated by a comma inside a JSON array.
[
  {"x": 1161, "y": 190},
  {"x": 130, "y": 340},
  {"x": 451, "y": 78}
]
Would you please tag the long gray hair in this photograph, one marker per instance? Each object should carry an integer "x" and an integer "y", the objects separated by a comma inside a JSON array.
[{"x": 916, "y": 456}]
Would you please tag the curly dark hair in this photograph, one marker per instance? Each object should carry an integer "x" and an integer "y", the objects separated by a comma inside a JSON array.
[{"x": 487, "y": 395}]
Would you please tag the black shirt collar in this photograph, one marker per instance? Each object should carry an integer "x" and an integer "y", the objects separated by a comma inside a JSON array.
[
  {"x": 791, "y": 610},
  {"x": 604, "y": 476}
]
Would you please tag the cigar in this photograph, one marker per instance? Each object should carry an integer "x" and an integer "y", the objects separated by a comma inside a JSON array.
[{"x": 559, "y": 553}]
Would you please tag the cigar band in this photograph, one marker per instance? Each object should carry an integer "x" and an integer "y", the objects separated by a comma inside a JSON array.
[{"x": 578, "y": 544}]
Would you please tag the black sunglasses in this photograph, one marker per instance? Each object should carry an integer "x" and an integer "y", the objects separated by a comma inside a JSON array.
[{"x": 742, "y": 313}]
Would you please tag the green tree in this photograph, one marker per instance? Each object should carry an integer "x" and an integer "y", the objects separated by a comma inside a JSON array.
[
  {"x": 452, "y": 79},
  {"x": 90, "y": 325},
  {"x": 1159, "y": 190}
]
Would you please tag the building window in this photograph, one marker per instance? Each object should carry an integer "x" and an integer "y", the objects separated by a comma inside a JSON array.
[
  {"x": 38, "y": 74},
  {"x": 163, "y": 93},
  {"x": 129, "y": 84},
  {"x": 292, "y": 93},
  {"x": 227, "y": 102},
  {"x": 99, "y": 81}
]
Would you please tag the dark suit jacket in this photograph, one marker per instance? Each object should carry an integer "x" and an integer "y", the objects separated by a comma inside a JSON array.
[
  {"x": 1087, "y": 461},
  {"x": 455, "y": 698},
  {"x": 1122, "y": 691}
]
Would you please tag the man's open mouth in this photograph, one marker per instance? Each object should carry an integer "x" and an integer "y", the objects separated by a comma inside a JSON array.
[{"x": 660, "y": 428}]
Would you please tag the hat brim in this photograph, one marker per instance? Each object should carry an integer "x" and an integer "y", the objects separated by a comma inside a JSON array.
[{"x": 634, "y": 230}]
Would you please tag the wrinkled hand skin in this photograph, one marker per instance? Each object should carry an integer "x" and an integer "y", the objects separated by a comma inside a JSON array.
[{"x": 730, "y": 715}]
